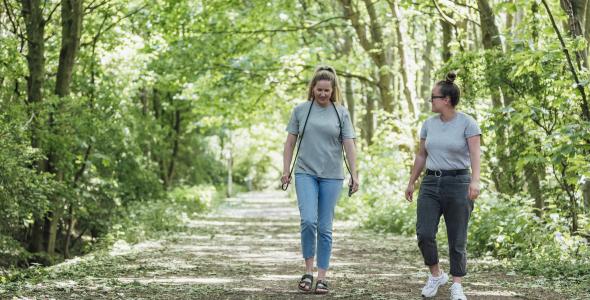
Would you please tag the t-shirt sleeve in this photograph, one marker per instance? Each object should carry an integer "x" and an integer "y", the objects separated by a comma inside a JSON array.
[
  {"x": 293, "y": 125},
  {"x": 472, "y": 129},
  {"x": 424, "y": 130},
  {"x": 347, "y": 128}
]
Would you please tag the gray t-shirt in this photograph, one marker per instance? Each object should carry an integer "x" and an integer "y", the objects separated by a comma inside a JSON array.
[
  {"x": 321, "y": 151},
  {"x": 446, "y": 142}
]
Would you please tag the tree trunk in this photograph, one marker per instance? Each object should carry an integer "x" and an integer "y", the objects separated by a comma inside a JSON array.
[
  {"x": 35, "y": 27},
  {"x": 348, "y": 91},
  {"x": 71, "y": 29},
  {"x": 71, "y": 224},
  {"x": 369, "y": 120},
  {"x": 586, "y": 195},
  {"x": 509, "y": 18},
  {"x": 408, "y": 83},
  {"x": 490, "y": 33},
  {"x": 32, "y": 14},
  {"x": 176, "y": 144},
  {"x": 502, "y": 172},
  {"x": 375, "y": 48},
  {"x": 578, "y": 23},
  {"x": 535, "y": 23},
  {"x": 71, "y": 21},
  {"x": 349, "y": 98},
  {"x": 230, "y": 179},
  {"x": 426, "y": 86},
  {"x": 54, "y": 217},
  {"x": 533, "y": 174},
  {"x": 36, "y": 242},
  {"x": 447, "y": 38}
]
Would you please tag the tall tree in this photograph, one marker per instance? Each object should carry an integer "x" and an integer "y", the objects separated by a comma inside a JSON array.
[
  {"x": 578, "y": 12},
  {"x": 71, "y": 30},
  {"x": 405, "y": 66},
  {"x": 374, "y": 46},
  {"x": 32, "y": 13}
]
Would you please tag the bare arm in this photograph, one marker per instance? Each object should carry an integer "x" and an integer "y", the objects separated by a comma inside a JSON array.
[
  {"x": 288, "y": 156},
  {"x": 350, "y": 149},
  {"x": 474, "y": 143},
  {"x": 419, "y": 163}
]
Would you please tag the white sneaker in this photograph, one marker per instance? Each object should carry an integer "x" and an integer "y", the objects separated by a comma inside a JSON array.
[
  {"x": 457, "y": 292},
  {"x": 431, "y": 287}
]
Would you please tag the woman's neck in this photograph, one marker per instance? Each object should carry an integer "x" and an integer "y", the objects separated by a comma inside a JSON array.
[
  {"x": 448, "y": 115},
  {"x": 326, "y": 104}
]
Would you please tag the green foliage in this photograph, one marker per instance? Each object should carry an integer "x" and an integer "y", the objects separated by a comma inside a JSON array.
[
  {"x": 140, "y": 221},
  {"x": 510, "y": 230},
  {"x": 380, "y": 203}
]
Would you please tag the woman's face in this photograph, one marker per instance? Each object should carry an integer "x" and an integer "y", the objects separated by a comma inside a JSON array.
[
  {"x": 438, "y": 102},
  {"x": 322, "y": 92}
]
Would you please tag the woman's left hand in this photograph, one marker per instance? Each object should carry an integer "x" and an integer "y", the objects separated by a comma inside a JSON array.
[
  {"x": 354, "y": 182},
  {"x": 473, "y": 190}
]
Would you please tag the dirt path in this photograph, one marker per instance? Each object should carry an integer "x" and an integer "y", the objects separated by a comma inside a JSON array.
[{"x": 249, "y": 249}]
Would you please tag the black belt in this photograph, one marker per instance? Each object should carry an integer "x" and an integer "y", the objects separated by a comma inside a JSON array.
[{"x": 439, "y": 173}]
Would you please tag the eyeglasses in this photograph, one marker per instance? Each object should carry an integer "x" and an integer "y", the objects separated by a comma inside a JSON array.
[{"x": 436, "y": 97}]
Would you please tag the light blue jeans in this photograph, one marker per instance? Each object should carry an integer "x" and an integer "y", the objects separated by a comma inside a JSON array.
[{"x": 317, "y": 199}]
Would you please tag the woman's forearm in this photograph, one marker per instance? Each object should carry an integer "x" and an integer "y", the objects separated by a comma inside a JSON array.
[
  {"x": 475, "y": 157},
  {"x": 419, "y": 163},
  {"x": 350, "y": 149},
  {"x": 288, "y": 153}
]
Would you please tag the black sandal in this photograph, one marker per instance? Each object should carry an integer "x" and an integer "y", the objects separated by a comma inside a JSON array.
[
  {"x": 305, "y": 283},
  {"x": 321, "y": 287}
]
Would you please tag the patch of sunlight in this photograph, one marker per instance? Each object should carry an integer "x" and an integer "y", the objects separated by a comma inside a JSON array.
[
  {"x": 390, "y": 275},
  {"x": 251, "y": 239},
  {"x": 265, "y": 224},
  {"x": 492, "y": 293},
  {"x": 249, "y": 289},
  {"x": 408, "y": 267},
  {"x": 339, "y": 225},
  {"x": 278, "y": 213},
  {"x": 121, "y": 247},
  {"x": 177, "y": 280},
  {"x": 170, "y": 264},
  {"x": 483, "y": 284},
  {"x": 211, "y": 248},
  {"x": 64, "y": 284},
  {"x": 71, "y": 261},
  {"x": 276, "y": 195},
  {"x": 276, "y": 277},
  {"x": 485, "y": 261},
  {"x": 268, "y": 257},
  {"x": 268, "y": 200},
  {"x": 344, "y": 264},
  {"x": 200, "y": 223}
]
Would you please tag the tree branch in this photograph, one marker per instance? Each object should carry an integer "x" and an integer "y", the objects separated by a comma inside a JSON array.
[
  {"x": 51, "y": 13},
  {"x": 91, "y": 7},
  {"x": 584, "y": 104},
  {"x": 101, "y": 32},
  {"x": 292, "y": 29}
]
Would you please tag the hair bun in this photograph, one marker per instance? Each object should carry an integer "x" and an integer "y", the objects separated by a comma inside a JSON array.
[{"x": 451, "y": 76}]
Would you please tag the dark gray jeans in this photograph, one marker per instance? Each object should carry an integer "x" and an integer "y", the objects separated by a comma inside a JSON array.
[{"x": 448, "y": 196}]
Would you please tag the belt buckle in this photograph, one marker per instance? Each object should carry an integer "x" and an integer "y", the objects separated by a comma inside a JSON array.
[{"x": 438, "y": 173}]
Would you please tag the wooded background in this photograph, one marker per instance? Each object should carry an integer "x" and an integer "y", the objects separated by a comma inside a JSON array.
[{"x": 107, "y": 106}]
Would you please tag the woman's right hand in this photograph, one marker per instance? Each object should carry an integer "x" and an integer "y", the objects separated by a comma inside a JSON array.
[
  {"x": 410, "y": 192},
  {"x": 285, "y": 179}
]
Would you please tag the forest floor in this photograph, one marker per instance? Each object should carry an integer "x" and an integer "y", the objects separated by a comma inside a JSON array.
[{"x": 249, "y": 248}]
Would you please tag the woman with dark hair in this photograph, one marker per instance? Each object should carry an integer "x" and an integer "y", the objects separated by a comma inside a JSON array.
[
  {"x": 449, "y": 147},
  {"x": 324, "y": 128}
]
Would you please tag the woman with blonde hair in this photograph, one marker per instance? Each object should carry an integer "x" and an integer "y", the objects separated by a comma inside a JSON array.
[{"x": 324, "y": 128}]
